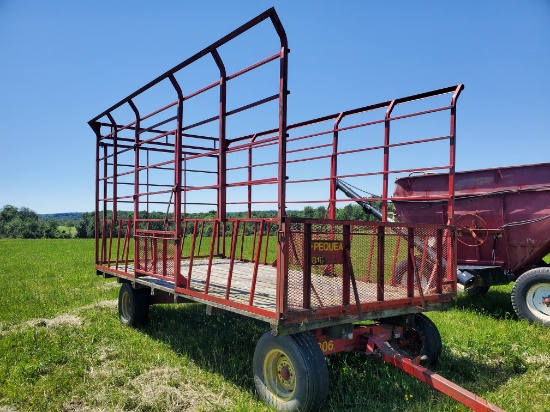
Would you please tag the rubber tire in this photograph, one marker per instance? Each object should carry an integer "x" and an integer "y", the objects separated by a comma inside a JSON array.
[
  {"x": 133, "y": 305},
  {"x": 420, "y": 332},
  {"x": 478, "y": 291},
  {"x": 524, "y": 286},
  {"x": 310, "y": 367}
]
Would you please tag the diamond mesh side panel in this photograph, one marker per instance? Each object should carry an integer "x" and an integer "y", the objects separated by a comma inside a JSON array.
[
  {"x": 296, "y": 267},
  {"x": 166, "y": 258},
  {"x": 145, "y": 253},
  {"x": 381, "y": 259},
  {"x": 156, "y": 256}
]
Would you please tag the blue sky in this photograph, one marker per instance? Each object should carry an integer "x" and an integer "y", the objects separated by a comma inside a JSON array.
[{"x": 64, "y": 62}]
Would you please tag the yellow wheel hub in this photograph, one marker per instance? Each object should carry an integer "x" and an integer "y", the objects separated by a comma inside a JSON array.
[{"x": 279, "y": 375}]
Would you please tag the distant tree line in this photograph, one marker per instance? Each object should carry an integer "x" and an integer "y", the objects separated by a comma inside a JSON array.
[
  {"x": 85, "y": 228},
  {"x": 26, "y": 224}
]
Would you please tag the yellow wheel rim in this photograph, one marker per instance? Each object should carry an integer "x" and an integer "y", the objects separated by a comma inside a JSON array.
[{"x": 279, "y": 374}]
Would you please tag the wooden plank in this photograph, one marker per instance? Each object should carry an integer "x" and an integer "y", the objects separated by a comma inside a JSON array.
[{"x": 328, "y": 289}]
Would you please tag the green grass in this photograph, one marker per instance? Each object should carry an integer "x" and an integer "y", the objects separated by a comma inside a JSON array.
[{"x": 62, "y": 348}]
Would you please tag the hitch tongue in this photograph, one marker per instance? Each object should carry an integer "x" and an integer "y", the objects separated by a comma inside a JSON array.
[{"x": 438, "y": 382}]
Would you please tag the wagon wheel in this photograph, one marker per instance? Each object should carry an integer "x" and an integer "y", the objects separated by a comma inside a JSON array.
[
  {"x": 531, "y": 296},
  {"x": 420, "y": 337},
  {"x": 478, "y": 229},
  {"x": 290, "y": 372},
  {"x": 133, "y": 305}
]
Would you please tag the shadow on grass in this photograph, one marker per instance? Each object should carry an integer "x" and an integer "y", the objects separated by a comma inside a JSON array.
[
  {"x": 221, "y": 344},
  {"x": 496, "y": 304},
  {"x": 225, "y": 345},
  {"x": 360, "y": 383}
]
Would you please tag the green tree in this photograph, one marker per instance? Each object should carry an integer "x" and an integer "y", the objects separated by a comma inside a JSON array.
[
  {"x": 8, "y": 213},
  {"x": 24, "y": 223},
  {"x": 14, "y": 228},
  {"x": 85, "y": 228},
  {"x": 309, "y": 212}
]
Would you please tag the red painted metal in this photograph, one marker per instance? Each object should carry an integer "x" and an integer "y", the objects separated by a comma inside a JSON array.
[
  {"x": 386, "y": 160},
  {"x": 211, "y": 255},
  {"x": 256, "y": 260}
]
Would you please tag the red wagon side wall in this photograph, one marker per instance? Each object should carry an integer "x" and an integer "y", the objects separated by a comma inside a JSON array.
[{"x": 513, "y": 203}]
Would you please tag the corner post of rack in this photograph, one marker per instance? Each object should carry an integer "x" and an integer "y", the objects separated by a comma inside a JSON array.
[
  {"x": 452, "y": 155},
  {"x": 178, "y": 280},
  {"x": 136, "y": 180},
  {"x": 222, "y": 154},
  {"x": 283, "y": 221},
  {"x": 96, "y": 128}
]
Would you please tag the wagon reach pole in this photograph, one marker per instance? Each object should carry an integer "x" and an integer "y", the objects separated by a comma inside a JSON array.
[{"x": 377, "y": 347}]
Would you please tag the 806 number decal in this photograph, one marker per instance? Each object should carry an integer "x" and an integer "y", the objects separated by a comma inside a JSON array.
[{"x": 326, "y": 346}]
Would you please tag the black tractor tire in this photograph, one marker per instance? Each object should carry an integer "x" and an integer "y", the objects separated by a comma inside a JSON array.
[
  {"x": 290, "y": 372},
  {"x": 133, "y": 305},
  {"x": 420, "y": 337},
  {"x": 531, "y": 296}
]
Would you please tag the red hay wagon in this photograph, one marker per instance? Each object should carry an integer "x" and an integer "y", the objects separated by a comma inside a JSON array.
[
  {"x": 160, "y": 161},
  {"x": 502, "y": 215}
]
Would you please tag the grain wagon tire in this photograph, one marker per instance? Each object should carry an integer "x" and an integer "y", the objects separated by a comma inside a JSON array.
[
  {"x": 478, "y": 291},
  {"x": 290, "y": 372},
  {"x": 133, "y": 305},
  {"x": 531, "y": 296},
  {"x": 420, "y": 337}
]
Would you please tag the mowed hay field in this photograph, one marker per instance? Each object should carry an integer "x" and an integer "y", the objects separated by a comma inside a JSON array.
[{"x": 62, "y": 348}]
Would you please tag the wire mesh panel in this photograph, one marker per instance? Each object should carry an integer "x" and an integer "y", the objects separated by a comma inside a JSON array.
[
  {"x": 155, "y": 257},
  {"x": 341, "y": 265}
]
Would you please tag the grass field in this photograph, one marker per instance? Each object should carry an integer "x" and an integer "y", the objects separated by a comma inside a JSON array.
[{"x": 62, "y": 348}]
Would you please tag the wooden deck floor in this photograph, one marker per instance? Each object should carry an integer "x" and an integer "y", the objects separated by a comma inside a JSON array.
[{"x": 326, "y": 290}]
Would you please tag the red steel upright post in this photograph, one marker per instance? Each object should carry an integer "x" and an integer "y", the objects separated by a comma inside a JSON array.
[
  {"x": 177, "y": 183},
  {"x": 283, "y": 93},
  {"x": 282, "y": 258},
  {"x": 386, "y": 161},
  {"x": 452, "y": 141},
  {"x": 222, "y": 161},
  {"x": 96, "y": 128},
  {"x": 105, "y": 203},
  {"x": 334, "y": 168},
  {"x": 136, "y": 182}
]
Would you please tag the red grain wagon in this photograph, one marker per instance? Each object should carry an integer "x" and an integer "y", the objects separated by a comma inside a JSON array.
[
  {"x": 311, "y": 279},
  {"x": 502, "y": 215}
]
